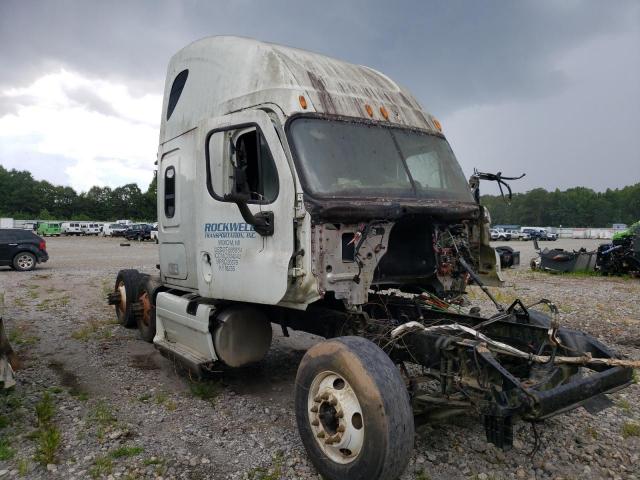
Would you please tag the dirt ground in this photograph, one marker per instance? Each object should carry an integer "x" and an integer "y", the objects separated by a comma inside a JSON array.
[{"x": 121, "y": 410}]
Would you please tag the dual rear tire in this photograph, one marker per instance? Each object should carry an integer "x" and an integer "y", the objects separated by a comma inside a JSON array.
[{"x": 136, "y": 305}]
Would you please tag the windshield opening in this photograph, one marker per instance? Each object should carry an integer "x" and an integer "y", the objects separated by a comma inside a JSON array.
[{"x": 341, "y": 158}]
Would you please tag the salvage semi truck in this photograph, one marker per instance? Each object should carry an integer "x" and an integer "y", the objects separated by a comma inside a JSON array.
[{"x": 299, "y": 190}]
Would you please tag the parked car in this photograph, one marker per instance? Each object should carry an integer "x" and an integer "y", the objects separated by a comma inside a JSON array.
[
  {"x": 53, "y": 229},
  {"x": 113, "y": 230},
  {"x": 21, "y": 249},
  {"x": 540, "y": 234},
  {"x": 499, "y": 234},
  {"x": 138, "y": 231}
]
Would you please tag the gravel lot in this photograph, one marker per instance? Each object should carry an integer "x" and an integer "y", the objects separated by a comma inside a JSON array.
[{"x": 123, "y": 411}]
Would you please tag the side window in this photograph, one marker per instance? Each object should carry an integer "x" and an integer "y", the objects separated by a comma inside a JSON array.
[
  {"x": 240, "y": 163},
  {"x": 176, "y": 90},
  {"x": 170, "y": 192}
]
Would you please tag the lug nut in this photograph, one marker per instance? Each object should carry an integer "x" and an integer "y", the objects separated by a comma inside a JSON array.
[
  {"x": 320, "y": 435},
  {"x": 341, "y": 428},
  {"x": 315, "y": 422},
  {"x": 314, "y": 409}
]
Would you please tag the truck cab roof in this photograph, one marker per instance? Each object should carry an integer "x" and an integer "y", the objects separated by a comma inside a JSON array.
[{"x": 247, "y": 73}]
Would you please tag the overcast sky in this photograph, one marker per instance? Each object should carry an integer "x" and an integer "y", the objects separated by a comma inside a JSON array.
[{"x": 550, "y": 88}]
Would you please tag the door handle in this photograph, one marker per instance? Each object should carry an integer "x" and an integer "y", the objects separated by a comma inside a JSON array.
[{"x": 13, "y": 244}]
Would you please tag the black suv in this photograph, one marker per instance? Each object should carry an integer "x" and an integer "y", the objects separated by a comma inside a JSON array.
[
  {"x": 21, "y": 249},
  {"x": 138, "y": 231}
]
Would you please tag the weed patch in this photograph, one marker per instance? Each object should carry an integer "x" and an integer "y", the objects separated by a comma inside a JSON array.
[
  {"x": 102, "y": 466},
  {"x": 205, "y": 390},
  {"x": 272, "y": 473},
  {"x": 45, "y": 409},
  {"x": 19, "y": 336},
  {"x": 6, "y": 452},
  {"x": 125, "y": 452},
  {"x": 630, "y": 430},
  {"x": 48, "y": 444}
]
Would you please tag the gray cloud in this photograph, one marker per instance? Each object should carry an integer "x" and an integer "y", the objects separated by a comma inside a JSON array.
[
  {"x": 89, "y": 99},
  {"x": 453, "y": 55}
]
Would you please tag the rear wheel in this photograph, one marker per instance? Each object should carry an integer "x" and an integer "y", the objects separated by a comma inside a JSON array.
[
  {"x": 145, "y": 308},
  {"x": 24, "y": 261},
  {"x": 353, "y": 411},
  {"x": 127, "y": 289}
]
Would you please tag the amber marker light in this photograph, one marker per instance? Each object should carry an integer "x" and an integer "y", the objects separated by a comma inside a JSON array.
[
  {"x": 369, "y": 110},
  {"x": 437, "y": 124},
  {"x": 384, "y": 113},
  {"x": 303, "y": 102}
]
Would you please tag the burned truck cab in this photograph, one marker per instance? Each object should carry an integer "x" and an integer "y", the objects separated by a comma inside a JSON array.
[
  {"x": 317, "y": 195},
  {"x": 285, "y": 176}
]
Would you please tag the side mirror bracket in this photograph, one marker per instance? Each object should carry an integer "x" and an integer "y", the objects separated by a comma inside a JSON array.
[{"x": 261, "y": 222}]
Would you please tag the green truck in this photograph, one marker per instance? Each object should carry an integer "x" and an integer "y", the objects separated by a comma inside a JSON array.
[{"x": 52, "y": 229}]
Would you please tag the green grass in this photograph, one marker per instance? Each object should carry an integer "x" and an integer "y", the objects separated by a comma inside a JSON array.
[
  {"x": 4, "y": 421},
  {"x": 263, "y": 473},
  {"x": 152, "y": 461},
  {"x": 162, "y": 398},
  {"x": 630, "y": 429},
  {"x": 32, "y": 291},
  {"x": 49, "y": 303},
  {"x": 125, "y": 452},
  {"x": 205, "y": 390},
  {"x": 635, "y": 377},
  {"x": 6, "y": 452},
  {"x": 79, "y": 395},
  {"x": 102, "y": 415},
  {"x": 18, "y": 337},
  {"x": 45, "y": 409},
  {"x": 102, "y": 466},
  {"x": 24, "y": 467},
  {"x": 145, "y": 397},
  {"x": 48, "y": 441},
  {"x": 94, "y": 329},
  {"x": 592, "y": 432},
  {"x": 624, "y": 405},
  {"x": 422, "y": 475}
]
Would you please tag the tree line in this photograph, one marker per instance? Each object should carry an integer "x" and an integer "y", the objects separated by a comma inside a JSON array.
[
  {"x": 574, "y": 207},
  {"x": 22, "y": 196}
]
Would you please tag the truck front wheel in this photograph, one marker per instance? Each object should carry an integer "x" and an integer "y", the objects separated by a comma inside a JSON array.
[{"x": 353, "y": 411}]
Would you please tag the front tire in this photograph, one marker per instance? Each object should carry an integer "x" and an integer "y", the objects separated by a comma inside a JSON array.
[
  {"x": 24, "y": 261},
  {"x": 353, "y": 411}
]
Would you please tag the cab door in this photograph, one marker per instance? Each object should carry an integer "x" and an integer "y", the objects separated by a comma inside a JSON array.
[{"x": 246, "y": 210}]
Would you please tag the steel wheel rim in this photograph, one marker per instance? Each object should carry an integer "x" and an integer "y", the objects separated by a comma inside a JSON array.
[
  {"x": 25, "y": 262},
  {"x": 335, "y": 417}
]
